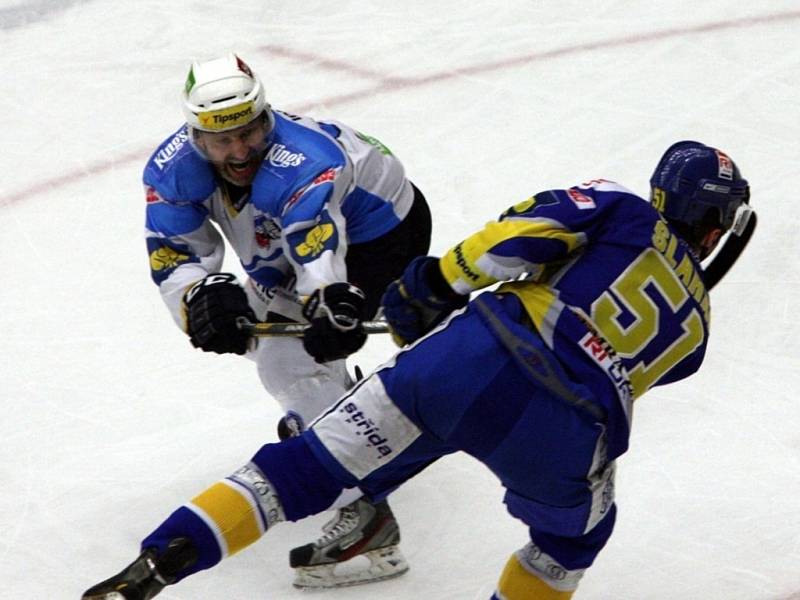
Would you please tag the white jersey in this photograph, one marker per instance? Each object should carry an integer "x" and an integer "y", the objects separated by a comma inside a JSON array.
[{"x": 322, "y": 186}]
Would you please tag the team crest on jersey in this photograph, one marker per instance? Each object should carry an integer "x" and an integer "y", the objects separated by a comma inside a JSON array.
[{"x": 267, "y": 231}]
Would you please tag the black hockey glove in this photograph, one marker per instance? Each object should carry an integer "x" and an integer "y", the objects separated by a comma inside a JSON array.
[
  {"x": 419, "y": 300},
  {"x": 212, "y": 307},
  {"x": 335, "y": 313}
]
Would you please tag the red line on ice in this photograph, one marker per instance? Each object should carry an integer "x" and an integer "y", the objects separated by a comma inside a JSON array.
[{"x": 384, "y": 84}]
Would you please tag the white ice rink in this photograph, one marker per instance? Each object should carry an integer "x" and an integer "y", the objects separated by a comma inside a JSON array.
[{"x": 110, "y": 420}]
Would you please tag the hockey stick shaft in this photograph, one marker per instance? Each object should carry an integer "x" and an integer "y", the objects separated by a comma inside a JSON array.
[
  {"x": 297, "y": 329},
  {"x": 730, "y": 251}
]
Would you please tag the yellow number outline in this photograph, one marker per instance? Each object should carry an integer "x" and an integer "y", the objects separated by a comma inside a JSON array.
[
  {"x": 628, "y": 291},
  {"x": 659, "y": 200}
]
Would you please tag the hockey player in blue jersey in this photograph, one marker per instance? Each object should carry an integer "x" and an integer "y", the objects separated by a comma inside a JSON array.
[
  {"x": 603, "y": 296},
  {"x": 313, "y": 209}
]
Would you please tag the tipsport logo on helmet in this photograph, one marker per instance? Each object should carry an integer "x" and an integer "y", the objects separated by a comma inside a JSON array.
[{"x": 227, "y": 118}]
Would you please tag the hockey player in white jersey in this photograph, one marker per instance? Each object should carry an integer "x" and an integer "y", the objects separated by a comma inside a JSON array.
[{"x": 314, "y": 210}]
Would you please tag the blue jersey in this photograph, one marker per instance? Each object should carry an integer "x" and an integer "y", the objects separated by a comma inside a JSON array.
[
  {"x": 328, "y": 186},
  {"x": 321, "y": 187},
  {"x": 606, "y": 282}
]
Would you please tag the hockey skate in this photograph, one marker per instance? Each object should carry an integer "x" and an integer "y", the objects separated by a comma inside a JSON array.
[
  {"x": 145, "y": 577},
  {"x": 358, "y": 531}
]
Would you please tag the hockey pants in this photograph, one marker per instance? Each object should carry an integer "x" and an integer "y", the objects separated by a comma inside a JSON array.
[
  {"x": 300, "y": 385},
  {"x": 457, "y": 389}
]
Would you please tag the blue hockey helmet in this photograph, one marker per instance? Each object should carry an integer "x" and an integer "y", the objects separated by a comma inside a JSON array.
[{"x": 693, "y": 179}]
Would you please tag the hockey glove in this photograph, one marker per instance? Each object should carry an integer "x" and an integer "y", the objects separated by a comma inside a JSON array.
[
  {"x": 213, "y": 306},
  {"x": 335, "y": 313},
  {"x": 419, "y": 300}
]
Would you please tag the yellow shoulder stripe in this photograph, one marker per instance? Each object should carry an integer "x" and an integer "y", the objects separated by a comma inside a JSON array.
[{"x": 460, "y": 264}]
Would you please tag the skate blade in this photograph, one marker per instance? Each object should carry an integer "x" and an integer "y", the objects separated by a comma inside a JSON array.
[
  {"x": 104, "y": 596},
  {"x": 108, "y": 594},
  {"x": 384, "y": 563}
]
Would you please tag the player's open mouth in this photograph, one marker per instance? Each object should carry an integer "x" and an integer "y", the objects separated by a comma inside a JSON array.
[
  {"x": 241, "y": 167},
  {"x": 244, "y": 169}
]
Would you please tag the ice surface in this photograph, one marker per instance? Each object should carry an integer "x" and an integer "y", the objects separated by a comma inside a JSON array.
[{"x": 111, "y": 420}]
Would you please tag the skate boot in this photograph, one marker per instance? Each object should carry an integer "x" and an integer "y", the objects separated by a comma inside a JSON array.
[
  {"x": 145, "y": 577},
  {"x": 358, "y": 531}
]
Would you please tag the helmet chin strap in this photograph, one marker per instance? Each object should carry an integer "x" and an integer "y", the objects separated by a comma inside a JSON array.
[{"x": 733, "y": 246}]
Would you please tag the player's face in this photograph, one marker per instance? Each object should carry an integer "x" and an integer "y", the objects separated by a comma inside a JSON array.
[
  {"x": 709, "y": 243},
  {"x": 237, "y": 153}
]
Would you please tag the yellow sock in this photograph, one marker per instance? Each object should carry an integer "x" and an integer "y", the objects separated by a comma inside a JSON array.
[
  {"x": 232, "y": 514},
  {"x": 517, "y": 583}
]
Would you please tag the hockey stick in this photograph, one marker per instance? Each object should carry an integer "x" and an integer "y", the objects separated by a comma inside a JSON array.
[
  {"x": 717, "y": 269},
  {"x": 296, "y": 329},
  {"x": 731, "y": 249}
]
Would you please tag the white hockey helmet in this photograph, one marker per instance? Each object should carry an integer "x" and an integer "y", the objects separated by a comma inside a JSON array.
[{"x": 221, "y": 94}]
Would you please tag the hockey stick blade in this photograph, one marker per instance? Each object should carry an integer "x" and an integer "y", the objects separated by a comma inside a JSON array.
[{"x": 296, "y": 329}]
